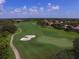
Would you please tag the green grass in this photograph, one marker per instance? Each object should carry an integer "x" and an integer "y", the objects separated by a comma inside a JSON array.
[
  {"x": 5, "y": 41},
  {"x": 47, "y": 42},
  {"x": 60, "y": 42},
  {"x": 11, "y": 54}
]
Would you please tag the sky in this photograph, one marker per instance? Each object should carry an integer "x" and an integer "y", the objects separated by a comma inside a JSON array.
[{"x": 39, "y": 8}]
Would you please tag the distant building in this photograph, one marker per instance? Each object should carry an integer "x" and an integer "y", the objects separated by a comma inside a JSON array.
[{"x": 76, "y": 28}]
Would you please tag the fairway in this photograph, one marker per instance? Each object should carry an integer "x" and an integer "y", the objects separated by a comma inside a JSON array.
[
  {"x": 47, "y": 42},
  {"x": 60, "y": 42}
]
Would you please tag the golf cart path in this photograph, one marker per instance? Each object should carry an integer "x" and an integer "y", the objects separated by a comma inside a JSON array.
[{"x": 14, "y": 49}]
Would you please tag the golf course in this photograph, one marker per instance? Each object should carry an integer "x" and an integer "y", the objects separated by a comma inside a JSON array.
[{"x": 48, "y": 40}]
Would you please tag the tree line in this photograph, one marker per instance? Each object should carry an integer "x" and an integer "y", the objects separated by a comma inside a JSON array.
[{"x": 6, "y": 28}]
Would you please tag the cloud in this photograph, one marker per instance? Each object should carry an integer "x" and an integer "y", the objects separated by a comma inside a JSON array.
[
  {"x": 53, "y": 8},
  {"x": 24, "y": 7},
  {"x": 49, "y": 4},
  {"x": 34, "y": 10},
  {"x": 21, "y": 10},
  {"x": 2, "y": 2},
  {"x": 56, "y": 7},
  {"x": 17, "y": 10},
  {"x": 41, "y": 9},
  {"x": 2, "y": 6}
]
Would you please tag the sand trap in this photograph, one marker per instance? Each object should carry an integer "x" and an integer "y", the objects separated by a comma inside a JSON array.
[{"x": 28, "y": 37}]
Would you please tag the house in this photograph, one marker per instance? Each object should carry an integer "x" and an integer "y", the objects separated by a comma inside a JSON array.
[{"x": 76, "y": 28}]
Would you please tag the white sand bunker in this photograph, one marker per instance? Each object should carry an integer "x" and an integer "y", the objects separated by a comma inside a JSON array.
[{"x": 28, "y": 37}]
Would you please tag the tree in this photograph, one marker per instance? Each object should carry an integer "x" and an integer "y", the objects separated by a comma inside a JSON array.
[
  {"x": 10, "y": 28},
  {"x": 69, "y": 28},
  {"x": 42, "y": 23},
  {"x": 4, "y": 44},
  {"x": 76, "y": 48},
  {"x": 65, "y": 54},
  {"x": 58, "y": 26},
  {"x": 6, "y": 28}
]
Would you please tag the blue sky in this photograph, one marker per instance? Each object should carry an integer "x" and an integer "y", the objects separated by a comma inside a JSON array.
[{"x": 39, "y": 8}]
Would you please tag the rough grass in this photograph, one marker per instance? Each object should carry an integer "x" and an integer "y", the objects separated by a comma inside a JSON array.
[
  {"x": 47, "y": 42},
  {"x": 5, "y": 41},
  {"x": 11, "y": 54}
]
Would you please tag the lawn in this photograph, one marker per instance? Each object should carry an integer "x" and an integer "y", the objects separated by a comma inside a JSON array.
[
  {"x": 11, "y": 54},
  {"x": 47, "y": 42}
]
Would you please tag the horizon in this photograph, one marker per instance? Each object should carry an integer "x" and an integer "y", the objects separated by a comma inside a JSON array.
[
  {"x": 39, "y": 18},
  {"x": 39, "y": 9}
]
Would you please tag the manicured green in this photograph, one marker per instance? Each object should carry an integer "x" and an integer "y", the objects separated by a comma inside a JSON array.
[{"x": 47, "y": 42}]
